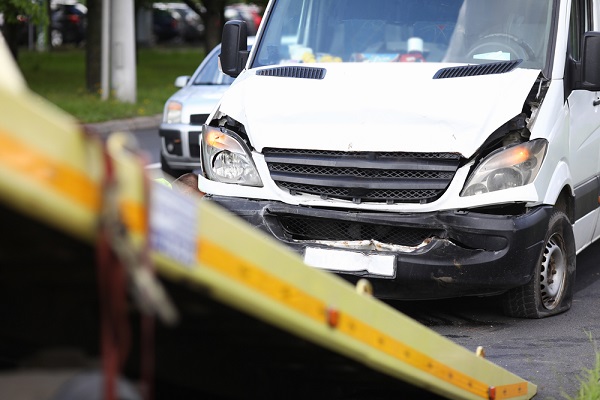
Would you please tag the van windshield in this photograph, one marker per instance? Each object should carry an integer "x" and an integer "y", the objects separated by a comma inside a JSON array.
[{"x": 453, "y": 31}]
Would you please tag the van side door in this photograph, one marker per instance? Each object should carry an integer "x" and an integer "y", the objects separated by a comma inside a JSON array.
[{"x": 584, "y": 121}]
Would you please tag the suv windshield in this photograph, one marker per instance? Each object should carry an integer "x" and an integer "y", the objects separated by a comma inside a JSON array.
[
  {"x": 454, "y": 31},
  {"x": 210, "y": 73}
]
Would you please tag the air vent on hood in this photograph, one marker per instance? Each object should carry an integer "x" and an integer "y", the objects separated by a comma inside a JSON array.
[
  {"x": 475, "y": 70},
  {"x": 294, "y": 72}
]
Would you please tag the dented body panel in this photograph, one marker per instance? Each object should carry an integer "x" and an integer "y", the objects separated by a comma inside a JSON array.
[{"x": 350, "y": 110}]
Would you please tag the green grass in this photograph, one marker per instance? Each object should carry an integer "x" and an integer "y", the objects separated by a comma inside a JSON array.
[
  {"x": 589, "y": 379},
  {"x": 59, "y": 76}
]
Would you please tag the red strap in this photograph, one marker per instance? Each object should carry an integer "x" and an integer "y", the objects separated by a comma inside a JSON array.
[{"x": 112, "y": 292}]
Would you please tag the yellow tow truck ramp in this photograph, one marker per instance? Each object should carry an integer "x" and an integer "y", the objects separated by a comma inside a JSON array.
[{"x": 242, "y": 316}]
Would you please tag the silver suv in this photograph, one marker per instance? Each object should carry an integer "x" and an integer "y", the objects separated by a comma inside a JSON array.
[{"x": 186, "y": 111}]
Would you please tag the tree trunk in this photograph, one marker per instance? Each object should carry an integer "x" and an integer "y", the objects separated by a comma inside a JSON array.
[
  {"x": 213, "y": 33},
  {"x": 47, "y": 45},
  {"x": 93, "y": 47},
  {"x": 11, "y": 35},
  {"x": 214, "y": 20},
  {"x": 213, "y": 17},
  {"x": 10, "y": 30}
]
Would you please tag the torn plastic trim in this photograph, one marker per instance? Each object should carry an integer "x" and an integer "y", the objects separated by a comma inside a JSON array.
[
  {"x": 367, "y": 245},
  {"x": 449, "y": 227},
  {"x": 221, "y": 120}
]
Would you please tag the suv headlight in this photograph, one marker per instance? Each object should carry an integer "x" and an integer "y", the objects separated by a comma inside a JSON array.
[
  {"x": 226, "y": 158},
  {"x": 507, "y": 168},
  {"x": 173, "y": 112}
]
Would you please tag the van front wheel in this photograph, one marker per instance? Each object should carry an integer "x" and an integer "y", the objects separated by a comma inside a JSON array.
[{"x": 550, "y": 291}]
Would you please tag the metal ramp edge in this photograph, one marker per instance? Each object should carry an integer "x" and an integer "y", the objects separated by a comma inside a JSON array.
[{"x": 52, "y": 171}]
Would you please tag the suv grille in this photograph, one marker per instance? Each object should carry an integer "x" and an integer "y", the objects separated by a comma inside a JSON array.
[
  {"x": 307, "y": 228},
  {"x": 385, "y": 177}
]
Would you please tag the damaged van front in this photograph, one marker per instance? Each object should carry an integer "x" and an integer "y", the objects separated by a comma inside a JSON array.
[{"x": 438, "y": 148}]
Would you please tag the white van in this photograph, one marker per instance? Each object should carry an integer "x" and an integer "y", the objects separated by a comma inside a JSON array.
[{"x": 438, "y": 148}]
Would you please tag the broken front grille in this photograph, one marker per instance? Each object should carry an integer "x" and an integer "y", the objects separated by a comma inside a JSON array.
[
  {"x": 385, "y": 177},
  {"x": 307, "y": 228}
]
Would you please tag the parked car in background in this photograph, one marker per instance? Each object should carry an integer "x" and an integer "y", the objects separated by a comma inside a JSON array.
[
  {"x": 250, "y": 13},
  {"x": 165, "y": 24},
  {"x": 191, "y": 26},
  {"x": 68, "y": 23},
  {"x": 187, "y": 110}
]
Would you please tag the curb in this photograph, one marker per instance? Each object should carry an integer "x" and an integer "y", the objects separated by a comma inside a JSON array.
[{"x": 129, "y": 124}]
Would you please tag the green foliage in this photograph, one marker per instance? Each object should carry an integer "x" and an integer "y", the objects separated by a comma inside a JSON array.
[
  {"x": 36, "y": 11},
  {"x": 59, "y": 76},
  {"x": 589, "y": 379}
]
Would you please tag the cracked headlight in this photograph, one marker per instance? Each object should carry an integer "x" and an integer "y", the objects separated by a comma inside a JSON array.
[
  {"x": 507, "y": 168},
  {"x": 226, "y": 158},
  {"x": 173, "y": 112}
]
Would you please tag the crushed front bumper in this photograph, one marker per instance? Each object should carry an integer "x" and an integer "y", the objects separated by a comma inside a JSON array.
[{"x": 466, "y": 253}]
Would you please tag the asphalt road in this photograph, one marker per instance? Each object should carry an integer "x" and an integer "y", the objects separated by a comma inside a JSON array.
[
  {"x": 551, "y": 352},
  {"x": 149, "y": 142},
  {"x": 147, "y": 138}
]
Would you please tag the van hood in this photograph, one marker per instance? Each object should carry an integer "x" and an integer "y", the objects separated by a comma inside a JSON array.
[{"x": 377, "y": 107}]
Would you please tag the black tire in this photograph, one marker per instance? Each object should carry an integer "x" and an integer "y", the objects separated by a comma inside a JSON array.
[{"x": 550, "y": 291}]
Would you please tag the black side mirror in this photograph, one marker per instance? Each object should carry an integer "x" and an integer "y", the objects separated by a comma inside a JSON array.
[
  {"x": 590, "y": 62},
  {"x": 234, "y": 48}
]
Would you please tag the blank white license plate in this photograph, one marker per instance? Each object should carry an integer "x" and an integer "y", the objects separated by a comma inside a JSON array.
[{"x": 350, "y": 261}]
